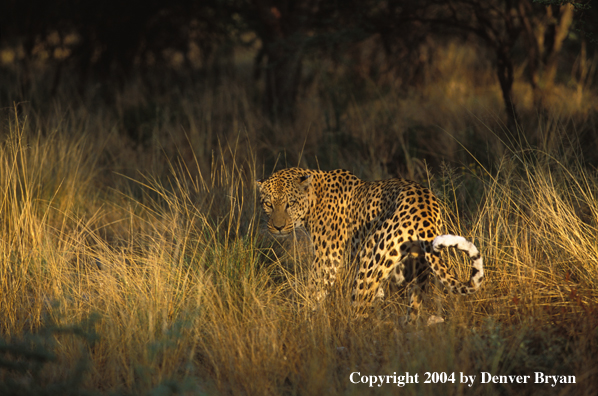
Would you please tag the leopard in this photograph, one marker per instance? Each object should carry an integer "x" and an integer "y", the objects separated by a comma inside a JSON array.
[{"x": 386, "y": 230}]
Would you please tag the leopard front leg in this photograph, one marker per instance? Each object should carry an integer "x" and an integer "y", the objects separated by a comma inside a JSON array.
[{"x": 323, "y": 276}]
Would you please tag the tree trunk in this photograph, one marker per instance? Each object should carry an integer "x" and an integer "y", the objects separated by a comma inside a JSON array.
[
  {"x": 534, "y": 48},
  {"x": 504, "y": 68},
  {"x": 561, "y": 30}
]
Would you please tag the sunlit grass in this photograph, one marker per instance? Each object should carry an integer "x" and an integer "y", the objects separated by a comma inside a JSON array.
[{"x": 185, "y": 289}]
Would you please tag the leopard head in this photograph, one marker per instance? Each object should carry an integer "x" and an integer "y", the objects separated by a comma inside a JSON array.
[{"x": 285, "y": 199}]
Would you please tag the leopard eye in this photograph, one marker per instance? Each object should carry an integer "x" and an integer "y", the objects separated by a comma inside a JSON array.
[
  {"x": 268, "y": 205},
  {"x": 291, "y": 204}
]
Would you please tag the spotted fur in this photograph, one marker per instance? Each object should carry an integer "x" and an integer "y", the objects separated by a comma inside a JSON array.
[{"x": 389, "y": 229}]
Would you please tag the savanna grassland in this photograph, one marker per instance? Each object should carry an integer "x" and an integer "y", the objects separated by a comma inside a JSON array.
[{"x": 133, "y": 258}]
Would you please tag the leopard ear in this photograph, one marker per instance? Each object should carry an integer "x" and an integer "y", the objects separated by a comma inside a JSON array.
[
  {"x": 259, "y": 182},
  {"x": 304, "y": 181}
]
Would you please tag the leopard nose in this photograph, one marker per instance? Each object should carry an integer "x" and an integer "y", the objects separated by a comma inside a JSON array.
[{"x": 279, "y": 228}]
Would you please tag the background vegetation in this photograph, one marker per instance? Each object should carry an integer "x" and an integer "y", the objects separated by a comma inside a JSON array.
[{"x": 132, "y": 256}]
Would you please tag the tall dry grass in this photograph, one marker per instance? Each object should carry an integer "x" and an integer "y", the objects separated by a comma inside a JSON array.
[{"x": 143, "y": 268}]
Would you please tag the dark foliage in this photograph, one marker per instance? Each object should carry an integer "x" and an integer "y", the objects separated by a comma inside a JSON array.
[{"x": 107, "y": 40}]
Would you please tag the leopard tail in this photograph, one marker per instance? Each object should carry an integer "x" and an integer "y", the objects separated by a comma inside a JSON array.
[{"x": 477, "y": 271}]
